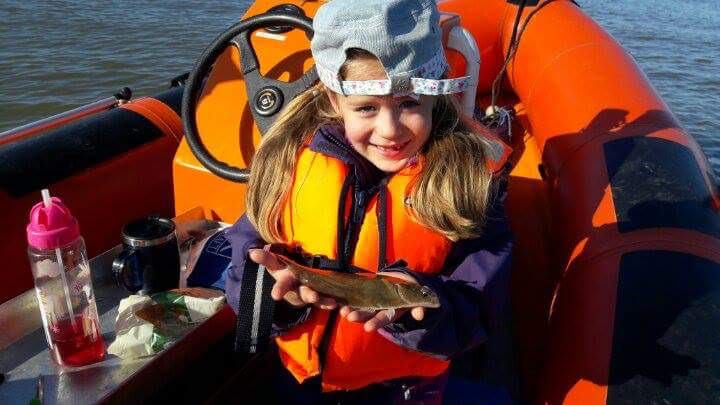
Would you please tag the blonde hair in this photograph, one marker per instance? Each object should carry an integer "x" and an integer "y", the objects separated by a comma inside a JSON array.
[{"x": 450, "y": 195}]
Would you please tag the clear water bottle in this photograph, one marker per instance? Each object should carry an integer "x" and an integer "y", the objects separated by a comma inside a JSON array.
[{"x": 63, "y": 284}]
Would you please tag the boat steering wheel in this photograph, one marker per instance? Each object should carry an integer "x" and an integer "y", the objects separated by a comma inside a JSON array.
[{"x": 266, "y": 96}]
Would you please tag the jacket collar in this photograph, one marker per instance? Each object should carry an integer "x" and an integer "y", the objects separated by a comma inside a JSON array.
[{"x": 330, "y": 140}]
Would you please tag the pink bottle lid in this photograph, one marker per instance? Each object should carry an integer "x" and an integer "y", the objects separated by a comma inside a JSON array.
[{"x": 51, "y": 227}]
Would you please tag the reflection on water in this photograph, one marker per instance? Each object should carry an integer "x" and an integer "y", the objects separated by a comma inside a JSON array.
[{"x": 59, "y": 54}]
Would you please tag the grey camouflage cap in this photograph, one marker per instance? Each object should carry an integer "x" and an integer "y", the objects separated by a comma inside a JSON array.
[{"x": 404, "y": 35}]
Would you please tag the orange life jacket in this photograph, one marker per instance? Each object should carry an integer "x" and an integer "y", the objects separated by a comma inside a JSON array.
[{"x": 355, "y": 358}]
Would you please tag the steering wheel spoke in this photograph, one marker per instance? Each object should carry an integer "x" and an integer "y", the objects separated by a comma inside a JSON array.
[
  {"x": 304, "y": 82},
  {"x": 248, "y": 58}
]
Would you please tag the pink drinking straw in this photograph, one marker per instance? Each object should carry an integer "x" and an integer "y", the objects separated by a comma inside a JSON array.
[{"x": 46, "y": 200}]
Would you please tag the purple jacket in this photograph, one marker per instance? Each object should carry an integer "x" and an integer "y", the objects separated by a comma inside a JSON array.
[{"x": 473, "y": 287}]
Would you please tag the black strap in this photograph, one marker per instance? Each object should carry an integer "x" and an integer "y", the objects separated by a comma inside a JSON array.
[
  {"x": 343, "y": 227},
  {"x": 322, "y": 262},
  {"x": 255, "y": 310},
  {"x": 315, "y": 261},
  {"x": 381, "y": 212}
]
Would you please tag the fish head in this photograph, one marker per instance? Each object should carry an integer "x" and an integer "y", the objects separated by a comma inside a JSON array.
[{"x": 418, "y": 295}]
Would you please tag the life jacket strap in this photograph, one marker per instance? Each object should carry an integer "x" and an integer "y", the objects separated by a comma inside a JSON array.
[
  {"x": 315, "y": 261},
  {"x": 255, "y": 310}
]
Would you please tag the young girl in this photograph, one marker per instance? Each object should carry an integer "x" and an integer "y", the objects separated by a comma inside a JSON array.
[{"x": 375, "y": 168}]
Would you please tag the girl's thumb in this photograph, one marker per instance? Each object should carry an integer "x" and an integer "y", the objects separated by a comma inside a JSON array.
[{"x": 265, "y": 258}]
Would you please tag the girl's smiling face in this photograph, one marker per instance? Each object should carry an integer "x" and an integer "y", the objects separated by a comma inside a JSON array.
[{"x": 386, "y": 130}]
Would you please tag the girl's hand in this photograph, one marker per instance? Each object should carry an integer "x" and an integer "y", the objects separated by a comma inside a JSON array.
[
  {"x": 374, "y": 320},
  {"x": 287, "y": 286}
]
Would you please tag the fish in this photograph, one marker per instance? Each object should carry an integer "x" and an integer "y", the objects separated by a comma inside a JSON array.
[{"x": 364, "y": 291}]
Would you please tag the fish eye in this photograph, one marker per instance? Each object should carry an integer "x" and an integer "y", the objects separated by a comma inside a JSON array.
[{"x": 425, "y": 292}]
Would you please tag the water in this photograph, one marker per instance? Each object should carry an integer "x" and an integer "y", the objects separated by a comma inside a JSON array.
[
  {"x": 677, "y": 44},
  {"x": 60, "y": 54}
]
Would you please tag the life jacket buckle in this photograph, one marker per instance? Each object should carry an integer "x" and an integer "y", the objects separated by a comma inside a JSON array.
[{"x": 316, "y": 261}]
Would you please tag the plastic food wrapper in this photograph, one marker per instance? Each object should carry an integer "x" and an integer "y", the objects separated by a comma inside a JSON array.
[{"x": 145, "y": 325}]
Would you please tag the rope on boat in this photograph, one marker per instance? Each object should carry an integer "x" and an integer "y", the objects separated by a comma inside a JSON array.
[{"x": 512, "y": 48}]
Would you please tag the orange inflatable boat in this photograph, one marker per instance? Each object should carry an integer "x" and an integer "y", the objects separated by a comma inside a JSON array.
[{"x": 616, "y": 272}]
